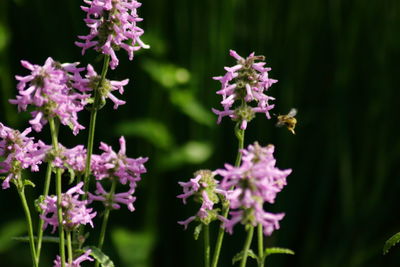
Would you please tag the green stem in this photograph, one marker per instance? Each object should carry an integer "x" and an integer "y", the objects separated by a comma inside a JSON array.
[
  {"x": 92, "y": 124},
  {"x": 240, "y": 136},
  {"x": 225, "y": 209},
  {"x": 21, "y": 192},
  {"x": 69, "y": 246},
  {"x": 247, "y": 246},
  {"x": 41, "y": 222},
  {"x": 54, "y": 140},
  {"x": 105, "y": 217},
  {"x": 260, "y": 245},
  {"x": 206, "y": 233}
]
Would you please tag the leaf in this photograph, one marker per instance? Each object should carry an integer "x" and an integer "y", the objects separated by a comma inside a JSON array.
[
  {"x": 7, "y": 231},
  {"x": 28, "y": 182},
  {"x": 391, "y": 242},
  {"x": 276, "y": 250},
  {"x": 197, "y": 231},
  {"x": 153, "y": 131},
  {"x": 71, "y": 175},
  {"x": 239, "y": 256},
  {"x": 102, "y": 258},
  {"x": 190, "y": 106},
  {"x": 193, "y": 152},
  {"x": 168, "y": 75},
  {"x": 134, "y": 248}
]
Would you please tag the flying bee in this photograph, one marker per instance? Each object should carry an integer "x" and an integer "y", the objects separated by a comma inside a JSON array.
[{"x": 288, "y": 120}]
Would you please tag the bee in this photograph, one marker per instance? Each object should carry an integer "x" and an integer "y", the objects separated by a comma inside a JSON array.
[{"x": 288, "y": 120}]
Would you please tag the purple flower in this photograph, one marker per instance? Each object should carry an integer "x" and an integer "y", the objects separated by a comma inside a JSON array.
[
  {"x": 55, "y": 90},
  {"x": 77, "y": 262},
  {"x": 74, "y": 210},
  {"x": 203, "y": 187},
  {"x": 18, "y": 152},
  {"x": 243, "y": 84},
  {"x": 112, "y": 25},
  {"x": 113, "y": 200},
  {"x": 117, "y": 165},
  {"x": 92, "y": 80},
  {"x": 250, "y": 185}
]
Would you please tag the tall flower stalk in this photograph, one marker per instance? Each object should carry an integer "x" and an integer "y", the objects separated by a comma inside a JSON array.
[
  {"x": 58, "y": 186},
  {"x": 253, "y": 180},
  {"x": 92, "y": 124}
]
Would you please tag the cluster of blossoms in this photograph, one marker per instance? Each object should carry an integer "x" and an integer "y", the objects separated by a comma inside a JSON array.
[
  {"x": 203, "y": 187},
  {"x": 17, "y": 152},
  {"x": 116, "y": 167},
  {"x": 246, "y": 188},
  {"x": 255, "y": 182},
  {"x": 55, "y": 90},
  {"x": 74, "y": 211},
  {"x": 77, "y": 262},
  {"x": 92, "y": 81},
  {"x": 112, "y": 26},
  {"x": 243, "y": 84}
]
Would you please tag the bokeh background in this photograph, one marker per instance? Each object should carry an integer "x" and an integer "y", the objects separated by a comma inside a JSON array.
[{"x": 337, "y": 62}]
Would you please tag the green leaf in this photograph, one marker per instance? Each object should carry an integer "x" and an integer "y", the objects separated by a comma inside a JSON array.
[
  {"x": 391, "y": 242},
  {"x": 276, "y": 250},
  {"x": 102, "y": 258},
  {"x": 153, "y": 131},
  {"x": 134, "y": 248},
  {"x": 71, "y": 175},
  {"x": 197, "y": 231},
  {"x": 7, "y": 231},
  {"x": 28, "y": 182},
  {"x": 190, "y": 106},
  {"x": 193, "y": 152},
  {"x": 168, "y": 75},
  {"x": 239, "y": 256}
]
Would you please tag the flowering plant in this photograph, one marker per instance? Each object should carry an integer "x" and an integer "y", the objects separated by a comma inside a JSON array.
[{"x": 56, "y": 93}]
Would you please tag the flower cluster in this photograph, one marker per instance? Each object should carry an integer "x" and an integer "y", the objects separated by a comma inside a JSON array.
[
  {"x": 92, "y": 81},
  {"x": 116, "y": 166},
  {"x": 18, "y": 151},
  {"x": 74, "y": 211},
  {"x": 112, "y": 25},
  {"x": 242, "y": 84},
  {"x": 203, "y": 187},
  {"x": 55, "y": 90},
  {"x": 255, "y": 182},
  {"x": 77, "y": 262}
]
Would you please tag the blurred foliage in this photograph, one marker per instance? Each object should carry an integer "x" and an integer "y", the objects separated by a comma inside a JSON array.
[{"x": 336, "y": 62}]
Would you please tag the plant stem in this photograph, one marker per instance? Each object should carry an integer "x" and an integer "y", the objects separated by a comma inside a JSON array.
[
  {"x": 92, "y": 124},
  {"x": 247, "y": 246},
  {"x": 54, "y": 140},
  {"x": 105, "y": 217},
  {"x": 21, "y": 192},
  {"x": 260, "y": 245},
  {"x": 225, "y": 209},
  {"x": 41, "y": 222},
  {"x": 206, "y": 233},
  {"x": 69, "y": 246}
]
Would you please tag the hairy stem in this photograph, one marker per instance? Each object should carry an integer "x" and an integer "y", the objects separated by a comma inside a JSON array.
[
  {"x": 21, "y": 192},
  {"x": 105, "y": 217},
  {"x": 54, "y": 140},
  {"x": 41, "y": 222},
  {"x": 206, "y": 233},
  {"x": 225, "y": 209},
  {"x": 260, "y": 245},
  {"x": 247, "y": 246},
  {"x": 92, "y": 124}
]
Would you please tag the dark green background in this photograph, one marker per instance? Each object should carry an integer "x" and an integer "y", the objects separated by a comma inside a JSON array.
[{"x": 337, "y": 62}]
